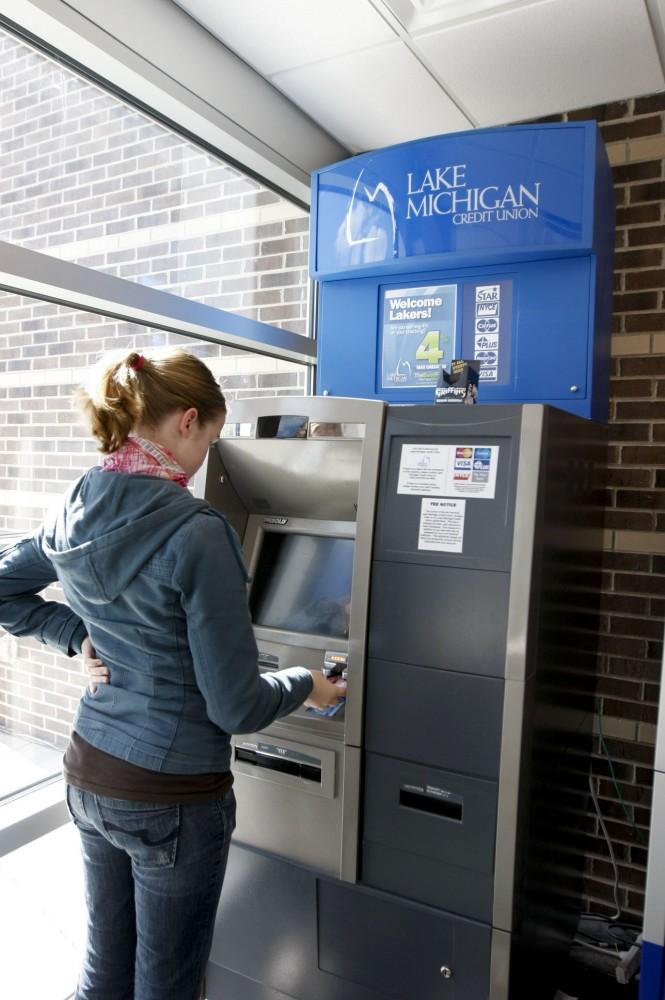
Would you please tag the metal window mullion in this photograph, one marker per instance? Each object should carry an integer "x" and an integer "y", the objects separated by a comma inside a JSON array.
[{"x": 40, "y": 276}]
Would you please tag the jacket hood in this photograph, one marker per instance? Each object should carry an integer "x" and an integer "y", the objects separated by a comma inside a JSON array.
[{"x": 110, "y": 525}]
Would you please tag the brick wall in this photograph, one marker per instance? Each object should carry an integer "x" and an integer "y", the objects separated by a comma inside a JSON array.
[
  {"x": 625, "y": 674},
  {"x": 89, "y": 179}
]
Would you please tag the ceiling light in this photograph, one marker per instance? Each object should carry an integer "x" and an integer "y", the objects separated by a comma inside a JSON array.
[{"x": 417, "y": 15}]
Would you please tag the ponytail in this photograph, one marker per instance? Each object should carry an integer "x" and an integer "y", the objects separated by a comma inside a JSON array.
[{"x": 131, "y": 389}]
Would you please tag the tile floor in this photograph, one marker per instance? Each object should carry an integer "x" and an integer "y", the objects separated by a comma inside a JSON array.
[{"x": 42, "y": 918}]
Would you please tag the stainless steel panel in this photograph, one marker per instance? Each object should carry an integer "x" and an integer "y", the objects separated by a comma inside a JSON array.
[
  {"x": 280, "y": 749},
  {"x": 286, "y": 816},
  {"x": 499, "y": 965},
  {"x": 521, "y": 620},
  {"x": 507, "y": 804},
  {"x": 350, "y": 814},
  {"x": 296, "y": 478},
  {"x": 521, "y": 573},
  {"x": 659, "y": 762}
]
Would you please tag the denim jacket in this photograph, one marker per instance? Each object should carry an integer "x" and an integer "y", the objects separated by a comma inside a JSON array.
[{"x": 155, "y": 577}]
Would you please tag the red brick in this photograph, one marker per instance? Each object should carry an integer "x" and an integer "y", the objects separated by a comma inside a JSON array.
[
  {"x": 647, "y": 170},
  {"x": 655, "y": 191},
  {"x": 657, "y": 608},
  {"x": 626, "y": 388},
  {"x": 637, "y": 455},
  {"x": 626, "y": 603},
  {"x": 644, "y": 776},
  {"x": 638, "y": 301},
  {"x": 652, "y": 364},
  {"x": 627, "y": 477},
  {"x": 655, "y": 650},
  {"x": 634, "y": 215},
  {"x": 641, "y": 499},
  {"x": 638, "y": 258},
  {"x": 647, "y": 105},
  {"x": 636, "y": 583},
  {"x": 601, "y": 112},
  {"x": 632, "y": 129},
  {"x": 620, "y": 433},
  {"x": 644, "y": 236},
  {"x": 621, "y": 520},
  {"x": 644, "y": 322},
  {"x": 643, "y": 628},
  {"x": 652, "y": 692},
  {"x": 640, "y": 753},
  {"x": 630, "y": 710},
  {"x": 622, "y": 646},
  {"x": 615, "y": 687},
  {"x": 649, "y": 278},
  {"x": 648, "y": 410},
  {"x": 642, "y": 670}
]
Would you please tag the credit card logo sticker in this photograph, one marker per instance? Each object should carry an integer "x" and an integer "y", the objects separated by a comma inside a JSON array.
[
  {"x": 488, "y": 293},
  {"x": 487, "y": 343},
  {"x": 487, "y": 357}
]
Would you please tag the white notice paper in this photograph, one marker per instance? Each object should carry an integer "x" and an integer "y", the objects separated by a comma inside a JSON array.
[
  {"x": 441, "y": 525},
  {"x": 443, "y": 470}
]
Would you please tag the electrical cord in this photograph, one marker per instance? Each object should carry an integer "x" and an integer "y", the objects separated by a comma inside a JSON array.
[
  {"x": 610, "y": 848},
  {"x": 603, "y": 747}
]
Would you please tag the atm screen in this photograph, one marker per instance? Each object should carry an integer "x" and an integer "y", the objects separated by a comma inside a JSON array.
[{"x": 302, "y": 583}]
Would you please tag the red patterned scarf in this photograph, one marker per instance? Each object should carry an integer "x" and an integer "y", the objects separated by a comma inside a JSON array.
[{"x": 146, "y": 459}]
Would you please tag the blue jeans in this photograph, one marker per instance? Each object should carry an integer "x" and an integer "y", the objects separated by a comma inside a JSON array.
[{"x": 153, "y": 877}]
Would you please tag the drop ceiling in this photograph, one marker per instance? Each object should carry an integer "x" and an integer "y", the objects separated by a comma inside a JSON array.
[{"x": 377, "y": 72}]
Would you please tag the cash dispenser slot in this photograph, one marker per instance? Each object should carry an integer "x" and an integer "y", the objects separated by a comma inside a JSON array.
[
  {"x": 283, "y": 762},
  {"x": 412, "y": 798}
]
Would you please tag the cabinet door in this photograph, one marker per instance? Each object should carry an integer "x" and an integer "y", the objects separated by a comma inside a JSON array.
[{"x": 400, "y": 950}]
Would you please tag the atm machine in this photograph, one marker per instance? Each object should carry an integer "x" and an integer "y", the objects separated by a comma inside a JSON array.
[
  {"x": 405, "y": 848},
  {"x": 412, "y": 847}
]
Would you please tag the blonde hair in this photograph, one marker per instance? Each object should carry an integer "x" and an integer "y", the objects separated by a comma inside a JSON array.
[{"x": 132, "y": 389}]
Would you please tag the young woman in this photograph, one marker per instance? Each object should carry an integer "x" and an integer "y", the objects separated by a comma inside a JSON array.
[{"x": 155, "y": 594}]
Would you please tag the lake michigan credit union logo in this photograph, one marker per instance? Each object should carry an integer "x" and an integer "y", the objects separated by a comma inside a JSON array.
[{"x": 370, "y": 219}]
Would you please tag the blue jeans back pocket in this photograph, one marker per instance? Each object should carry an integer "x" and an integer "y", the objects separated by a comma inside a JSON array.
[{"x": 148, "y": 832}]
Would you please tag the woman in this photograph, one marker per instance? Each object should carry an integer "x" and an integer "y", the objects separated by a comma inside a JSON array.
[{"x": 155, "y": 588}]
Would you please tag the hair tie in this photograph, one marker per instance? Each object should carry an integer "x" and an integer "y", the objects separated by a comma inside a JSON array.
[{"x": 138, "y": 364}]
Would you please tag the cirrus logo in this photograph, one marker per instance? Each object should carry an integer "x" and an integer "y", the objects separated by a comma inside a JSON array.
[{"x": 487, "y": 325}]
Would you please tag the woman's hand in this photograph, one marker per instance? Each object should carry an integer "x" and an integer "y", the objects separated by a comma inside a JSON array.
[
  {"x": 324, "y": 692},
  {"x": 96, "y": 670}
]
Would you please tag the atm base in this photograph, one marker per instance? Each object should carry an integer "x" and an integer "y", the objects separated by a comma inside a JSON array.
[{"x": 285, "y": 932}]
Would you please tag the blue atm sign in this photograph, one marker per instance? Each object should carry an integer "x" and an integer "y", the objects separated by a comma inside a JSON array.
[{"x": 456, "y": 198}]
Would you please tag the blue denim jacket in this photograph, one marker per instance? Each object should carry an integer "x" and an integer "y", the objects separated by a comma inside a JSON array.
[{"x": 155, "y": 577}]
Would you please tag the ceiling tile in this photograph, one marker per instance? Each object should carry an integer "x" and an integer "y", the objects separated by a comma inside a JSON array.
[
  {"x": 373, "y": 98},
  {"x": 553, "y": 56},
  {"x": 274, "y": 35}
]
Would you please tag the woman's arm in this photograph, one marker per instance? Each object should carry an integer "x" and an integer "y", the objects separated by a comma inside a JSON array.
[
  {"x": 212, "y": 583},
  {"x": 25, "y": 571}
]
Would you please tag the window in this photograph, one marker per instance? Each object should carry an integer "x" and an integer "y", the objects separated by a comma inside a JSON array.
[{"x": 87, "y": 178}]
